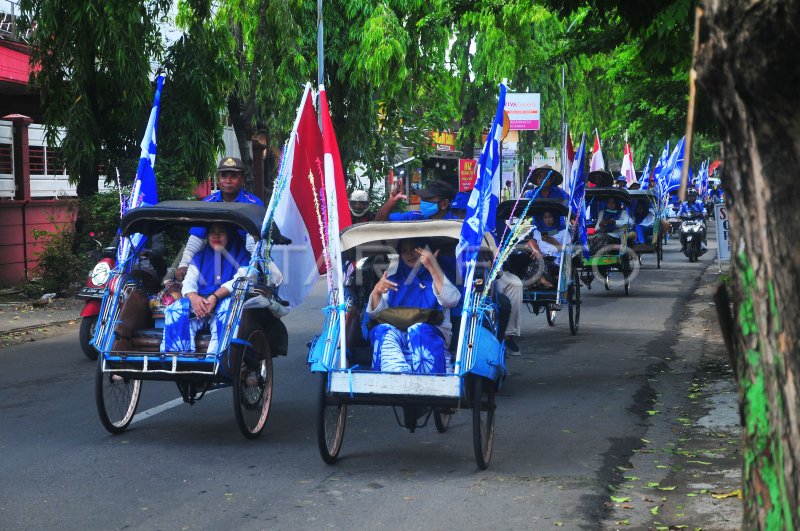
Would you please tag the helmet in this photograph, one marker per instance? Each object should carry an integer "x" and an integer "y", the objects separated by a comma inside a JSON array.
[{"x": 359, "y": 202}]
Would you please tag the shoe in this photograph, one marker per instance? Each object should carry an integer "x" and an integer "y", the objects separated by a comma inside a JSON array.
[{"x": 512, "y": 347}]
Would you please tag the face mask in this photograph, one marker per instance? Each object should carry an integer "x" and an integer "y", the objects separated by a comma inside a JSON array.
[{"x": 428, "y": 209}]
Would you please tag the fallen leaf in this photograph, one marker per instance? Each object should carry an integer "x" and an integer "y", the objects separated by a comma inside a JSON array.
[
  {"x": 620, "y": 499},
  {"x": 558, "y": 524},
  {"x": 623, "y": 522},
  {"x": 654, "y": 510},
  {"x": 732, "y": 494},
  {"x": 667, "y": 488},
  {"x": 699, "y": 462},
  {"x": 631, "y": 478},
  {"x": 652, "y": 484},
  {"x": 652, "y": 412}
]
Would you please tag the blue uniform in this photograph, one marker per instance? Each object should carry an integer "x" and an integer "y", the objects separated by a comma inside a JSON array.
[
  {"x": 688, "y": 209},
  {"x": 216, "y": 197}
]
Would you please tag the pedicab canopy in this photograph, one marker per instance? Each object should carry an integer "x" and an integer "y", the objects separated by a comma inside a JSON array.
[
  {"x": 381, "y": 237},
  {"x": 620, "y": 194},
  {"x": 156, "y": 218},
  {"x": 644, "y": 194},
  {"x": 514, "y": 209}
]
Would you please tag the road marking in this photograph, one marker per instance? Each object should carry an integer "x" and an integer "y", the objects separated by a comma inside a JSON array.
[{"x": 153, "y": 411}]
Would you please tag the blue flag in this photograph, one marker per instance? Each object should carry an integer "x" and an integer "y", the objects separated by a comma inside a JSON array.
[
  {"x": 577, "y": 197},
  {"x": 144, "y": 186},
  {"x": 645, "y": 180},
  {"x": 672, "y": 172},
  {"x": 482, "y": 204},
  {"x": 658, "y": 172}
]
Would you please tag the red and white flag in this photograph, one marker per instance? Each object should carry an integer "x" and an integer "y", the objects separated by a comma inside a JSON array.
[
  {"x": 296, "y": 212},
  {"x": 627, "y": 169},
  {"x": 568, "y": 157},
  {"x": 597, "y": 162}
]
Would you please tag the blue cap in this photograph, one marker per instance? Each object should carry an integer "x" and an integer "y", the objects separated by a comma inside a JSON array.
[{"x": 459, "y": 202}]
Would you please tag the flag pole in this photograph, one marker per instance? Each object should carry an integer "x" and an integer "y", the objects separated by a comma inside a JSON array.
[{"x": 320, "y": 56}]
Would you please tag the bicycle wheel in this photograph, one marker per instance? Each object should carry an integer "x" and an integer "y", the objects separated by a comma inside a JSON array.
[
  {"x": 574, "y": 298},
  {"x": 482, "y": 420},
  {"x": 86, "y": 333},
  {"x": 550, "y": 314},
  {"x": 116, "y": 397},
  {"x": 252, "y": 383},
  {"x": 442, "y": 417},
  {"x": 331, "y": 418}
]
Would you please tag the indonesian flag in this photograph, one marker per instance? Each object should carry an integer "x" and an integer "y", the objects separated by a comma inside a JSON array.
[
  {"x": 296, "y": 213},
  {"x": 568, "y": 157},
  {"x": 627, "y": 166},
  {"x": 597, "y": 162}
]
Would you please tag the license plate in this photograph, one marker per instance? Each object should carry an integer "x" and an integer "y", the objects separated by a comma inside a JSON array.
[{"x": 92, "y": 293}]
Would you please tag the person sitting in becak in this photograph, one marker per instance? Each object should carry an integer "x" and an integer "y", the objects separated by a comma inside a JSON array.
[
  {"x": 206, "y": 288},
  {"x": 610, "y": 222},
  {"x": 545, "y": 248},
  {"x": 415, "y": 283},
  {"x": 644, "y": 217}
]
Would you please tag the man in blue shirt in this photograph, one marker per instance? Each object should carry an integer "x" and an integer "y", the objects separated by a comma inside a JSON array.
[
  {"x": 230, "y": 178},
  {"x": 434, "y": 203},
  {"x": 691, "y": 208},
  {"x": 551, "y": 189}
]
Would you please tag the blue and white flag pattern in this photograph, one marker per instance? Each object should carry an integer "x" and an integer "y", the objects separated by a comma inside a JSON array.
[
  {"x": 578, "y": 196},
  {"x": 144, "y": 187},
  {"x": 645, "y": 180},
  {"x": 674, "y": 168},
  {"x": 658, "y": 172},
  {"x": 482, "y": 204}
]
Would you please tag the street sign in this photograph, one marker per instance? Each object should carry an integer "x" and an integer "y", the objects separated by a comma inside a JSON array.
[{"x": 723, "y": 246}]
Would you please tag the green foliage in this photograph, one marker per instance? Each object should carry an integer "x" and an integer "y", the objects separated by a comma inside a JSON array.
[
  {"x": 59, "y": 267},
  {"x": 94, "y": 80}
]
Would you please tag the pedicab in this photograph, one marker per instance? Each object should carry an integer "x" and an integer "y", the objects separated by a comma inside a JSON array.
[
  {"x": 614, "y": 257},
  {"x": 536, "y": 296},
  {"x": 130, "y": 328},
  {"x": 348, "y": 379},
  {"x": 653, "y": 243}
]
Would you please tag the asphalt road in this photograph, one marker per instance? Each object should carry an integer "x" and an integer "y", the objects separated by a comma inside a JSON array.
[{"x": 572, "y": 411}]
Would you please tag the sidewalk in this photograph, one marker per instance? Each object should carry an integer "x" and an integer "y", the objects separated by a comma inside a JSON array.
[
  {"x": 22, "y": 319},
  {"x": 687, "y": 474}
]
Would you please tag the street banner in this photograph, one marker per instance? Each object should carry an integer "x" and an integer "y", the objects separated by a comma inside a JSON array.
[
  {"x": 467, "y": 174},
  {"x": 523, "y": 110},
  {"x": 723, "y": 234}
]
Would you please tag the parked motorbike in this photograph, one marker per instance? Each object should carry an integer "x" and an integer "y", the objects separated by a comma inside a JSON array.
[
  {"x": 93, "y": 293},
  {"x": 693, "y": 235}
]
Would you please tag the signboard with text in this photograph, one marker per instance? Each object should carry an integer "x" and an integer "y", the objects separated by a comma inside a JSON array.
[
  {"x": 523, "y": 110},
  {"x": 467, "y": 174},
  {"x": 723, "y": 246},
  {"x": 444, "y": 141}
]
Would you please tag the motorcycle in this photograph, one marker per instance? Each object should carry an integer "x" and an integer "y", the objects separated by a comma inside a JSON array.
[
  {"x": 693, "y": 235},
  {"x": 93, "y": 293}
]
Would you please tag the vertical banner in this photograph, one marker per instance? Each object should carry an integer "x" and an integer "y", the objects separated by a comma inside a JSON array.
[
  {"x": 723, "y": 245},
  {"x": 467, "y": 174}
]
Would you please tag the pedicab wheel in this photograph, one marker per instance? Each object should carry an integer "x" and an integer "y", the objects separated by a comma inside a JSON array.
[
  {"x": 330, "y": 424},
  {"x": 482, "y": 420},
  {"x": 88, "y": 325},
  {"x": 606, "y": 283},
  {"x": 550, "y": 314},
  {"x": 252, "y": 383},
  {"x": 442, "y": 417},
  {"x": 116, "y": 397},
  {"x": 574, "y": 299},
  {"x": 659, "y": 254}
]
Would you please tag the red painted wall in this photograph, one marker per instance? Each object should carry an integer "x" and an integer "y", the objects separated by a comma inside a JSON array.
[{"x": 18, "y": 220}]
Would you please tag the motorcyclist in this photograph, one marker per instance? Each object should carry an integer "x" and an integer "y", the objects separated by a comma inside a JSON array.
[
  {"x": 359, "y": 206},
  {"x": 691, "y": 208}
]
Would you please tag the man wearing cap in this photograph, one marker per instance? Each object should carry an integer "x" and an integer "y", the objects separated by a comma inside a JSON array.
[
  {"x": 230, "y": 178},
  {"x": 550, "y": 180},
  {"x": 434, "y": 203}
]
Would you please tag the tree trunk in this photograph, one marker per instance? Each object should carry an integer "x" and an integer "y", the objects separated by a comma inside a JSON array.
[
  {"x": 242, "y": 130},
  {"x": 747, "y": 67}
]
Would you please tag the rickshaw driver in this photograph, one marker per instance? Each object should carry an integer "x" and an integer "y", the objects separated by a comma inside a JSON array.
[
  {"x": 230, "y": 176},
  {"x": 421, "y": 348},
  {"x": 545, "y": 246},
  {"x": 550, "y": 189},
  {"x": 434, "y": 203}
]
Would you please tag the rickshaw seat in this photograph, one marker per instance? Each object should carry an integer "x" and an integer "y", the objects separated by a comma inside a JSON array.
[{"x": 149, "y": 340}]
